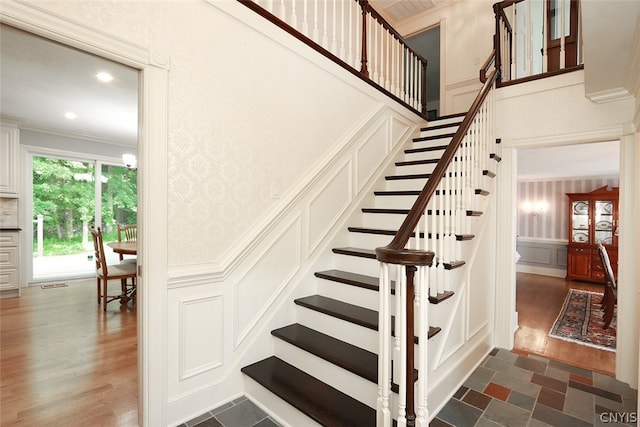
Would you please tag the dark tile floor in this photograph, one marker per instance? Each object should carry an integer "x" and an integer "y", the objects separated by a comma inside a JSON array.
[{"x": 507, "y": 389}]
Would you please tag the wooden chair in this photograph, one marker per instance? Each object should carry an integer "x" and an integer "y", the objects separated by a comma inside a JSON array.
[
  {"x": 127, "y": 233},
  {"x": 610, "y": 287},
  {"x": 105, "y": 272}
]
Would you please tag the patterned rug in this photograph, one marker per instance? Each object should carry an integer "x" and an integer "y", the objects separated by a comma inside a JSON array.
[{"x": 580, "y": 321}]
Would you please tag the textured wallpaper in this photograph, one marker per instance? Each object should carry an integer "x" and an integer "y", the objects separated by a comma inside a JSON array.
[{"x": 246, "y": 114}]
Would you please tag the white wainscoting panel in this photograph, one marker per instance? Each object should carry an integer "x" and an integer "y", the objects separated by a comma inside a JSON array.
[
  {"x": 398, "y": 129},
  {"x": 460, "y": 96},
  {"x": 256, "y": 291},
  {"x": 201, "y": 334},
  {"x": 329, "y": 203},
  {"x": 371, "y": 153}
]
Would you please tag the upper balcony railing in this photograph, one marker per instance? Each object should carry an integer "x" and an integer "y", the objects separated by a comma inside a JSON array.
[
  {"x": 354, "y": 35},
  {"x": 536, "y": 38}
]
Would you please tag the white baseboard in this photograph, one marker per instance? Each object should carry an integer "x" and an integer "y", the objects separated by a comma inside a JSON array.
[{"x": 544, "y": 271}]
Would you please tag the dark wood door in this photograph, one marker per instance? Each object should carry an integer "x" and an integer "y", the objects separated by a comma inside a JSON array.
[
  {"x": 562, "y": 22},
  {"x": 579, "y": 263}
]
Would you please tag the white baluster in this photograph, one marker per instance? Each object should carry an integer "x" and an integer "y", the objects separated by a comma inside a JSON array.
[
  {"x": 325, "y": 35},
  {"x": 270, "y": 6},
  {"x": 305, "y": 18},
  {"x": 433, "y": 287},
  {"x": 400, "y": 367},
  {"x": 316, "y": 35},
  {"x": 384, "y": 347},
  {"x": 283, "y": 11},
  {"x": 342, "y": 29},
  {"x": 422, "y": 308},
  {"x": 387, "y": 61},
  {"x": 441, "y": 259},
  {"x": 374, "y": 59},
  {"x": 334, "y": 24},
  {"x": 350, "y": 5}
]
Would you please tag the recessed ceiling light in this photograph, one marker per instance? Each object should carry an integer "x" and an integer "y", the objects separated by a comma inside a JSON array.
[
  {"x": 70, "y": 115},
  {"x": 103, "y": 76}
]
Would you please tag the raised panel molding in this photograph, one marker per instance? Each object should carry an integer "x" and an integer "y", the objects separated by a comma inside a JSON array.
[
  {"x": 371, "y": 153},
  {"x": 257, "y": 290},
  {"x": 201, "y": 338},
  {"x": 329, "y": 203}
]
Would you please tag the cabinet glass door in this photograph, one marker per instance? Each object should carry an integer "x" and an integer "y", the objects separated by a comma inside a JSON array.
[
  {"x": 604, "y": 223},
  {"x": 580, "y": 221}
]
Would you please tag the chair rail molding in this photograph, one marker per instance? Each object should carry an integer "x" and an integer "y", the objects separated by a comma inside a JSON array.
[{"x": 152, "y": 201}]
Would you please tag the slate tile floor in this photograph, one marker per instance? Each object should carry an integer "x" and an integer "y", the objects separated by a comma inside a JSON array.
[{"x": 507, "y": 389}]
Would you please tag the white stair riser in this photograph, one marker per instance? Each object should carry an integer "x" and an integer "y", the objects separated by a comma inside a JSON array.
[
  {"x": 383, "y": 221},
  {"x": 415, "y": 169},
  {"x": 353, "y": 385},
  {"x": 369, "y": 241},
  {"x": 348, "y": 293},
  {"x": 431, "y": 142},
  {"x": 449, "y": 129},
  {"x": 340, "y": 329},
  {"x": 405, "y": 184},
  {"x": 370, "y": 267},
  {"x": 446, "y": 121},
  {"x": 394, "y": 202},
  {"x": 287, "y": 414},
  {"x": 423, "y": 155}
]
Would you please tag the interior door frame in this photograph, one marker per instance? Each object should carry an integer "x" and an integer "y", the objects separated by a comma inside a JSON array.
[{"x": 152, "y": 185}]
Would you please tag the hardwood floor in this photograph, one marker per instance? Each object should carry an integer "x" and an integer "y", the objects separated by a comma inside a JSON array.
[
  {"x": 64, "y": 362},
  {"x": 538, "y": 302}
]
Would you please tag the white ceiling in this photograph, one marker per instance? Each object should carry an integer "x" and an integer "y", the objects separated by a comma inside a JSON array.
[
  {"x": 594, "y": 159},
  {"x": 42, "y": 80}
]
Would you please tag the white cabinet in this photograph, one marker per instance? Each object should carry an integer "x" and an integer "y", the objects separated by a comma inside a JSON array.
[
  {"x": 9, "y": 160},
  {"x": 9, "y": 264}
]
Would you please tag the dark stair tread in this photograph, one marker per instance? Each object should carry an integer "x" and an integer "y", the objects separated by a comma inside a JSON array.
[
  {"x": 411, "y": 176},
  {"x": 441, "y": 297},
  {"x": 459, "y": 237},
  {"x": 347, "y": 356},
  {"x": 425, "y": 149},
  {"x": 495, "y": 157},
  {"x": 355, "y": 314},
  {"x": 406, "y": 211},
  {"x": 352, "y": 313},
  {"x": 433, "y": 137},
  {"x": 444, "y": 126},
  {"x": 348, "y": 278},
  {"x": 370, "y": 282},
  {"x": 359, "y": 252},
  {"x": 417, "y": 162},
  {"x": 448, "y": 116},
  {"x": 417, "y": 192},
  {"x": 397, "y": 193},
  {"x": 319, "y": 401},
  {"x": 489, "y": 173},
  {"x": 452, "y": 265}
]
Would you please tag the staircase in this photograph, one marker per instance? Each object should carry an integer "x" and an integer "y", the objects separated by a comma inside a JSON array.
[{"x": 325, "y": 365}]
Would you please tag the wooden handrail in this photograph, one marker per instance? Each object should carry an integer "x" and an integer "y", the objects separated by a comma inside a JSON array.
[{"x": 395, "y": 252}]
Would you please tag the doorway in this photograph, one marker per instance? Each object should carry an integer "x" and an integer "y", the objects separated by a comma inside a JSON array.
[
  {"x": 427, "y": 44},
  {"x": 544, "y": 177}
]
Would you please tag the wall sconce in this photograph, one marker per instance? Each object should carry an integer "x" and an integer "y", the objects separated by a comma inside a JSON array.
[
  {"x": 130, "y": 161},
  {"x": 535, "y": 208}
]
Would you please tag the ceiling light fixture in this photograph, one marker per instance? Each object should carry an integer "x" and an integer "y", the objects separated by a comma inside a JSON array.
[
  {"x": 103, "y": 76},
  {"x": 70, "y": 115}
]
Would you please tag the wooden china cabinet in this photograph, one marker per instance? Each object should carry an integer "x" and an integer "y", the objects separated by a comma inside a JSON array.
[{"x": 593, "y": 219}]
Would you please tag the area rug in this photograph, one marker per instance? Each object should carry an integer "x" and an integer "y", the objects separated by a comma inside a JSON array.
[{"x": 580, "y": 321}]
